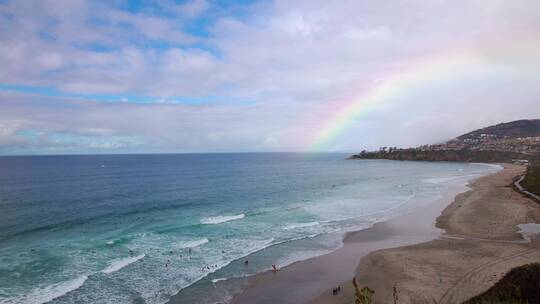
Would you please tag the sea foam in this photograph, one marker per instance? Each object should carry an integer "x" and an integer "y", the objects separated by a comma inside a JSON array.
[
  {"x": 195, "y": 243},
  {"x": 221, "y": 219},
  {"x": 51, "y": 292},
  {"x": 121, "y": 263},
  {"x": 440, "y": 180},
  {"x": 300, "y": 225}
]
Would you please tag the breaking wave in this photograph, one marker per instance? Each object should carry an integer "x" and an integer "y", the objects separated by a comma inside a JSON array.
[
  {"x": 221, "y": 219},
  {"x": 300, "y": 225},
  {"x": 121, "y": 263}
]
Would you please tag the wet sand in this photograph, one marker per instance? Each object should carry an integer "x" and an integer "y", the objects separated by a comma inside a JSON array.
[{"x": 312, "y": 280}]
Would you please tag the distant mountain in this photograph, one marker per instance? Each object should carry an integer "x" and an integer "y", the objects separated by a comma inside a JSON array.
[{"x": 515, "y": 129}]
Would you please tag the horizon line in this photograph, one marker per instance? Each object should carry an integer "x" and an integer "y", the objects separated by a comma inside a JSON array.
[{"x": 177, "y": 153}]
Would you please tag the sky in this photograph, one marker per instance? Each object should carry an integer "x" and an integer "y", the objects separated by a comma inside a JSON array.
[{"x": 193, "y": 76}]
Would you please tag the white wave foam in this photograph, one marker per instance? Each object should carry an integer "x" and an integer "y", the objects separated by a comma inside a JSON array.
[
  {"x": 259, "y": 245},
  {"x": 301, "y": 256},
  {"x": 121, "y": 263},
  {"x": 221, "y": 219},
  {"x": 494, "y": 166},
  {"x": 51, "y": 292},
  {"x": 195, "y": 243},
  {"x": 440, "y": 180},
  {"x": 110, "y": 242},
  {"x": 300, "y": 225},
  {"x": 218, "y": 280}
]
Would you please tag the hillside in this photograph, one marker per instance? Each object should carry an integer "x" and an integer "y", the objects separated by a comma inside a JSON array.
[
  {"x": 520, "y": 285},
  {"x": 503, "y": 142},
  {"x": 531, "y": 182},
  {"x": 514, "y": 129}
]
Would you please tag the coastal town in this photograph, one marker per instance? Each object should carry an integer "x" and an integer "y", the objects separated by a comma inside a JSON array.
[{"x": 490, "y": 142}]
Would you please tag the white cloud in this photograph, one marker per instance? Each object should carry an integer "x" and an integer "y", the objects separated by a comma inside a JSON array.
[{"x": 295, "y": 61}]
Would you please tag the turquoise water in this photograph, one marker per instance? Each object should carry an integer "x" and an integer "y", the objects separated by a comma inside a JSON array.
[{"x": 141, "y": 228}]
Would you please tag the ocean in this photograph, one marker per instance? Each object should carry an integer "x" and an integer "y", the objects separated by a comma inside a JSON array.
[{"x": 141, "y": 228}]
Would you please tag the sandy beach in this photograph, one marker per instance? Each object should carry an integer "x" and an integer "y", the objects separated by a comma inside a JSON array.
[{"x": 461, "y": 249}]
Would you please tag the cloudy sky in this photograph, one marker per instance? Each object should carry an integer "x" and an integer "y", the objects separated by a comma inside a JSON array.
[{"x": 219, "y": 76}]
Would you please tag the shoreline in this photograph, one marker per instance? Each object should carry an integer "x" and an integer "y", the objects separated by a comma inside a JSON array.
[
  {"x": 304, "y": 281},
  {"x": 479, "y": 245}
]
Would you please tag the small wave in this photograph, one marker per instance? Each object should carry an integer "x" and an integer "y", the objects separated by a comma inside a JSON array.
[
  {"x": 440, "y": 180},
  {"x": 119, "y": 241},
  {"x": 294, "y": 257},
  {"x": 121, "y": 263},
  {"x": 218, "y": 280},
  {"x": 494, "y": 166},
  {"x": 300, "y": 225},
  {"x": 195, "y": 243},
  {"x": 221, "y": 219},
  {"x": 51, "y": 292}
]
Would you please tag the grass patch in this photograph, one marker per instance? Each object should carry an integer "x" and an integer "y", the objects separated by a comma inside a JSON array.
[
  {"x": 532, "y": 179},
  {"x": 519, "y": 285}
]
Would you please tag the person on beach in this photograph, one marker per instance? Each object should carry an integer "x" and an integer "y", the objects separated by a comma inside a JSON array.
[
  {"x": 246, "y": 262},
  {"x": 274, "y": 268}
]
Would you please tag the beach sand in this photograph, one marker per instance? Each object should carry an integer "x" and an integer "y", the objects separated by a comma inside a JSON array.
[{"x": 478, "y": 245}]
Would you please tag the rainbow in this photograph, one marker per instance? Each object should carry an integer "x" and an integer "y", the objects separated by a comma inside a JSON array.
[{"x": 414, "y": 75}]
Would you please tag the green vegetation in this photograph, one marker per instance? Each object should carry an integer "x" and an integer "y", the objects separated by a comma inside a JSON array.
[
  {"x": 462, "y": 155},
  {"x": 519, "y": 285},
  {"x": 364, "y": 295},
  {"x": 532, "y": 179}
]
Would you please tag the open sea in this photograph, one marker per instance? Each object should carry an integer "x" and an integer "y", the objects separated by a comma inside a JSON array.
[{"x": 141, "y": 228}]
